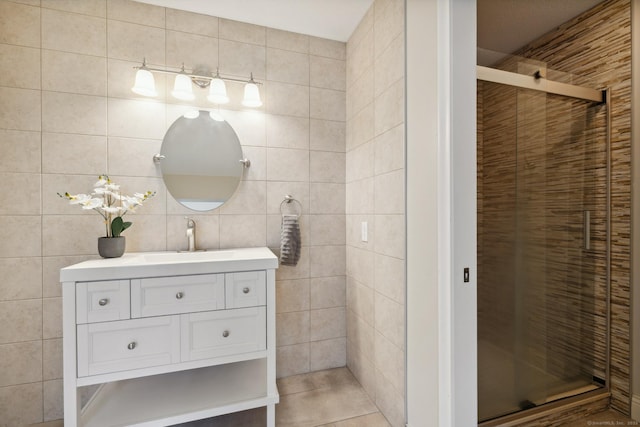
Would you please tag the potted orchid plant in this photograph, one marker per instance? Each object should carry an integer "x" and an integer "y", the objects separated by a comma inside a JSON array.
[{"x": 112, "y": 205}]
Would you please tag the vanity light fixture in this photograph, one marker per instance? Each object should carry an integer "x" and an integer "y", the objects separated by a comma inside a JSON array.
[
  {"x": 145, "y": 84},
  {"x": 251, "y": 94},
  {"x": 182, "y": 89},
  {"x": 218, "y": 90}
]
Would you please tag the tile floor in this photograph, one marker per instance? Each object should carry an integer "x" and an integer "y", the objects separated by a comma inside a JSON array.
[
  {"x": 330, "y": 398},
  {"x": 334, "y": 398}
]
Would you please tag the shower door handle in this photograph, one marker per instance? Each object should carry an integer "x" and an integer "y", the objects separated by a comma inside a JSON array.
[{"x": 586, "y": 232}]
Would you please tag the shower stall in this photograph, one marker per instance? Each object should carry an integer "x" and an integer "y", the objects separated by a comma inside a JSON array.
[{"x": 543, "y": 237}]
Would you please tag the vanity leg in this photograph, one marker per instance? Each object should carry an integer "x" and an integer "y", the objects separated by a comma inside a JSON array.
[
  {"x": 271, "y": 415},
  {"x": 71, "y": 395}
]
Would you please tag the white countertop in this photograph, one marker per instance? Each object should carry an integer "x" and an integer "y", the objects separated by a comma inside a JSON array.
[{"x": 153, "y": 264}]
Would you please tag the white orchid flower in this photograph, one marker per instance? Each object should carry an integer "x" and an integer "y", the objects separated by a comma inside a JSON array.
[
  {"x": 112, "y": 209},
  {"x": 107, "y": 200},
  {"x": 92, "y": 204},
  {"x": 78, "y": 199},
  {"x": 141, "y": 196},
  {"x": 101, "y": 191},
  {"x": 129, "y": 203}
]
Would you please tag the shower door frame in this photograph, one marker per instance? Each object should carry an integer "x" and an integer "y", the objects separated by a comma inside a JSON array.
[{"x": 538, "y": 82}]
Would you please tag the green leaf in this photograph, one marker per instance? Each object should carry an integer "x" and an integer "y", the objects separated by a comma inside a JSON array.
[{"x": 118, "y": 226}]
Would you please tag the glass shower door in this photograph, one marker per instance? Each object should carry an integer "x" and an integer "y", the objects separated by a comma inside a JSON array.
[
  {"x": 541, "y": 247},
  {"x": 530, "y": 264}
]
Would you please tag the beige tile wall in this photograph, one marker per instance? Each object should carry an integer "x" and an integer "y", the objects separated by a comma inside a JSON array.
[
  {"x": 375, "y": 194},
  {"x": 67, "y": 114}
]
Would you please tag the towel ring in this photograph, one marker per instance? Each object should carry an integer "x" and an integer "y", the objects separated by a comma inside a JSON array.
[{"x": 287, "y": 202}]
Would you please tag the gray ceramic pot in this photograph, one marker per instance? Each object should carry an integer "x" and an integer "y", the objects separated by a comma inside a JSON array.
[{"x": 111, "y": 247}]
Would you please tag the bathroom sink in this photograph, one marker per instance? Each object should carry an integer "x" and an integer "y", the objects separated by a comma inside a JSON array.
[
  {"x": 172, "y": 263},
  {"x": 172, "y": 257}
]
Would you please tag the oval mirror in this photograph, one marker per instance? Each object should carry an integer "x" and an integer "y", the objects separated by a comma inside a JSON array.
[{"x": 201, "y": 160}]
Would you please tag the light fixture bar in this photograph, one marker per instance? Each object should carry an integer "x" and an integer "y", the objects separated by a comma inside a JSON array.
[
  {"x": 201, "y": 77},
  {"x": 197, "y": 76}
]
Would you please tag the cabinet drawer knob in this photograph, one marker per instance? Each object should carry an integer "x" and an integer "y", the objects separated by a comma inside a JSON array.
[
  {"x": 246, "y": 290},
  {"x": 132, "y": 345},
  {"x": 103, "y": 302},
  {"x": 179, "y": 295},
  {"x": 225, "y": 334}
]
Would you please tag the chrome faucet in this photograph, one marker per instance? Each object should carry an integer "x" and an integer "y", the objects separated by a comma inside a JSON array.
[{"x": 191, "y": 234}]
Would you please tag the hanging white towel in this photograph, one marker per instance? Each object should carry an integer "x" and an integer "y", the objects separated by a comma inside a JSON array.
[{"x": 290, "y": 240}]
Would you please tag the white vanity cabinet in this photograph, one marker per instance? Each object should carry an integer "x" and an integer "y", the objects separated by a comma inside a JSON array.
[{"x": 169, "y": 337}]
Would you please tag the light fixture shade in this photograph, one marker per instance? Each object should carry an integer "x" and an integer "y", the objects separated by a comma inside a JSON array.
[
  {"x": 182, "y": 88},
  {"x": 251, "y": 96},
  {"x": 218, "y": 92},
  {"x": 145, "y": 84}
]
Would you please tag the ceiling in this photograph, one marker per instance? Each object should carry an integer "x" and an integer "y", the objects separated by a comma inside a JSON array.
[
  {"x": 506, "y": 25},
  {"x": 503, "y": 25},
  {"x": 330, "y": 19}
]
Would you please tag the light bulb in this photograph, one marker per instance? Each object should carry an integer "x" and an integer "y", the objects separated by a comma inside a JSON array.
[
  {"x": 182, "y": 88},
  {"x": 145, "y": 84},
  {"x": 218, "y": 91}
]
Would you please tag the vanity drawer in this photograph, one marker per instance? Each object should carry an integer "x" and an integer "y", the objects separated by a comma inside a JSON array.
[
  {"x": 102, "y": 301},
  {"x": 223, "y": 333},
  {"x": 246, "y": 289},
  {"x": 128, "y": 344},
  {"x": 174, "y": 295}
]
